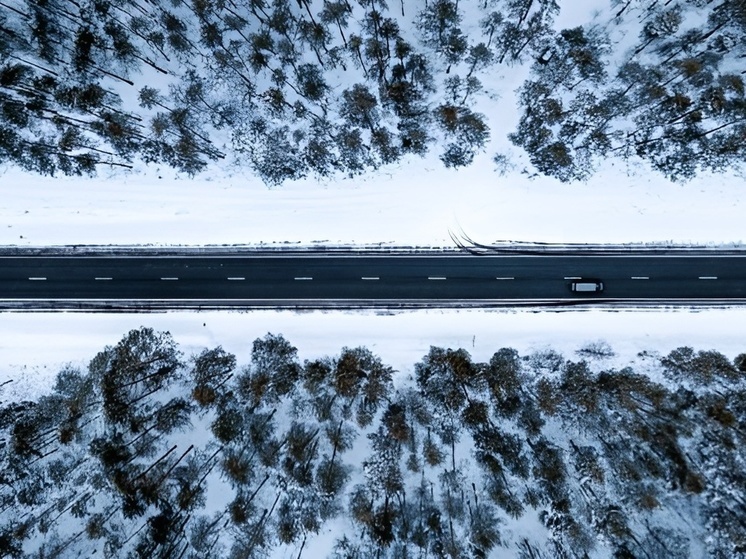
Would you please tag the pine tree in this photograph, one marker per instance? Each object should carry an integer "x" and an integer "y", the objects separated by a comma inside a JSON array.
[
  {"x": 503, "y": 377},
  {"x": 359, "y": 107},
  {"x": 563, "y": 141},
  {"x": 467, "y": 130},
  {"x": 484, "y": 534},
  {"x": 301, "y": 452},
  {"x": 272, "y": 153},
  {"x": 274, "y": 372},
  {"x": 142, "y": 364},
  {"x": 521, "y": 27},
  {"x": 444, "y": 376},
  {"x": 211, "y": 370},
  {"x": 440, "y": 23}
]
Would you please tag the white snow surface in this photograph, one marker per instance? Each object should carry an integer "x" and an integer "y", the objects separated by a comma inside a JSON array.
[
  {"x": 34, "y": 346},
  {"x": 413, "y": 203}
]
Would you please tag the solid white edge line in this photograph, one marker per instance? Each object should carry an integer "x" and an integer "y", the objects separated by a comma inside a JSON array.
[
  {"x": 304, "y": 278},
  {"x": 236, "y": 279},
  {"x": 640, "y": 277},
  {"x": 37, "y": 279},
  {"x": 169, "y": 279},
  {"x": 708, "y": 277},
  {"x": 436, "y": 277},
  {"x": 371, "y": 278},
  {"x": 505, "y": 278}
]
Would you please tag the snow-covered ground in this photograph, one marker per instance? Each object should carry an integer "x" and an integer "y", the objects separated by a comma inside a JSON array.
[
  {"x": 416, "y": 203},
  {"x": 34, "y": 346}
]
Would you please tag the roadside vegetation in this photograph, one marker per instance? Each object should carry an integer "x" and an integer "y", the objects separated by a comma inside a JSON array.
[
  {"x": 150, "y": 453},
  {"x": 323, "y": 88}
]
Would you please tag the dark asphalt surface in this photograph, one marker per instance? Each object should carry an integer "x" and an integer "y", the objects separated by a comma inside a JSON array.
[{"x": 383, "y": 278}]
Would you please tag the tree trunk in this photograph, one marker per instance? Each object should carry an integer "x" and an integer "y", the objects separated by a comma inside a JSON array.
[
  {"x": 155, "y": 463},
  {"x": 165, "y": 475}
]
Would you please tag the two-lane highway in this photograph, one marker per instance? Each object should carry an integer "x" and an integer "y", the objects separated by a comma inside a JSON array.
[{"x": 275, "y": 278}]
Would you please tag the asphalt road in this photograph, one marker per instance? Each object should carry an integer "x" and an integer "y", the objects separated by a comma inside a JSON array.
[{"x": 371, "y": 278}]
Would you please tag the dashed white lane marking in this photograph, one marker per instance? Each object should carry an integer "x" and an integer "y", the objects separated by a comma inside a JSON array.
[
  {"x": 640, "y": 277},
  {"x": 436, "y": 277},
  {"x": 103, "y": 279},
  {"x": 169, "y": 279},
  {"x": 37, "y": 279},
  {"x": 236, "y": 279},
  {"x": 370, "y": 278},
  {"x": 304, "y": 278},
  {"x": 708, "y": 277},
  {"x": 573, "y": 277},
  {"x": 505, "y": 278}
]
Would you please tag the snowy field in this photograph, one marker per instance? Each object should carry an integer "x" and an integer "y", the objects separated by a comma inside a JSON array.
[
  {"x": 34, "y": 346},
  {"x": 417, "y": 203}
]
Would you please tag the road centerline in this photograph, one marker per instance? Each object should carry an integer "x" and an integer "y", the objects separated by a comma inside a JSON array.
[{"x": 539, "y": 279}]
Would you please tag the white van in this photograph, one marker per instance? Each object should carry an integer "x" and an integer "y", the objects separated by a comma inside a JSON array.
[{"x": 587, "y": 286}]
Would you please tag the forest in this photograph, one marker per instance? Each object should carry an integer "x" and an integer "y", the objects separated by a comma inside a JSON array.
[
  {"x": 287, "y": 89},
  {"x": 150, "y": 453}
]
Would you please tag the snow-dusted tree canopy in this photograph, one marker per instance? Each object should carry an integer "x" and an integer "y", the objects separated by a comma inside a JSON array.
[
  {"x": 300, "y": 88},
  {"x": 674, "y": 97},
  {"x": 297, "y": 87},
  {"x": 148, "y": 453}
]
